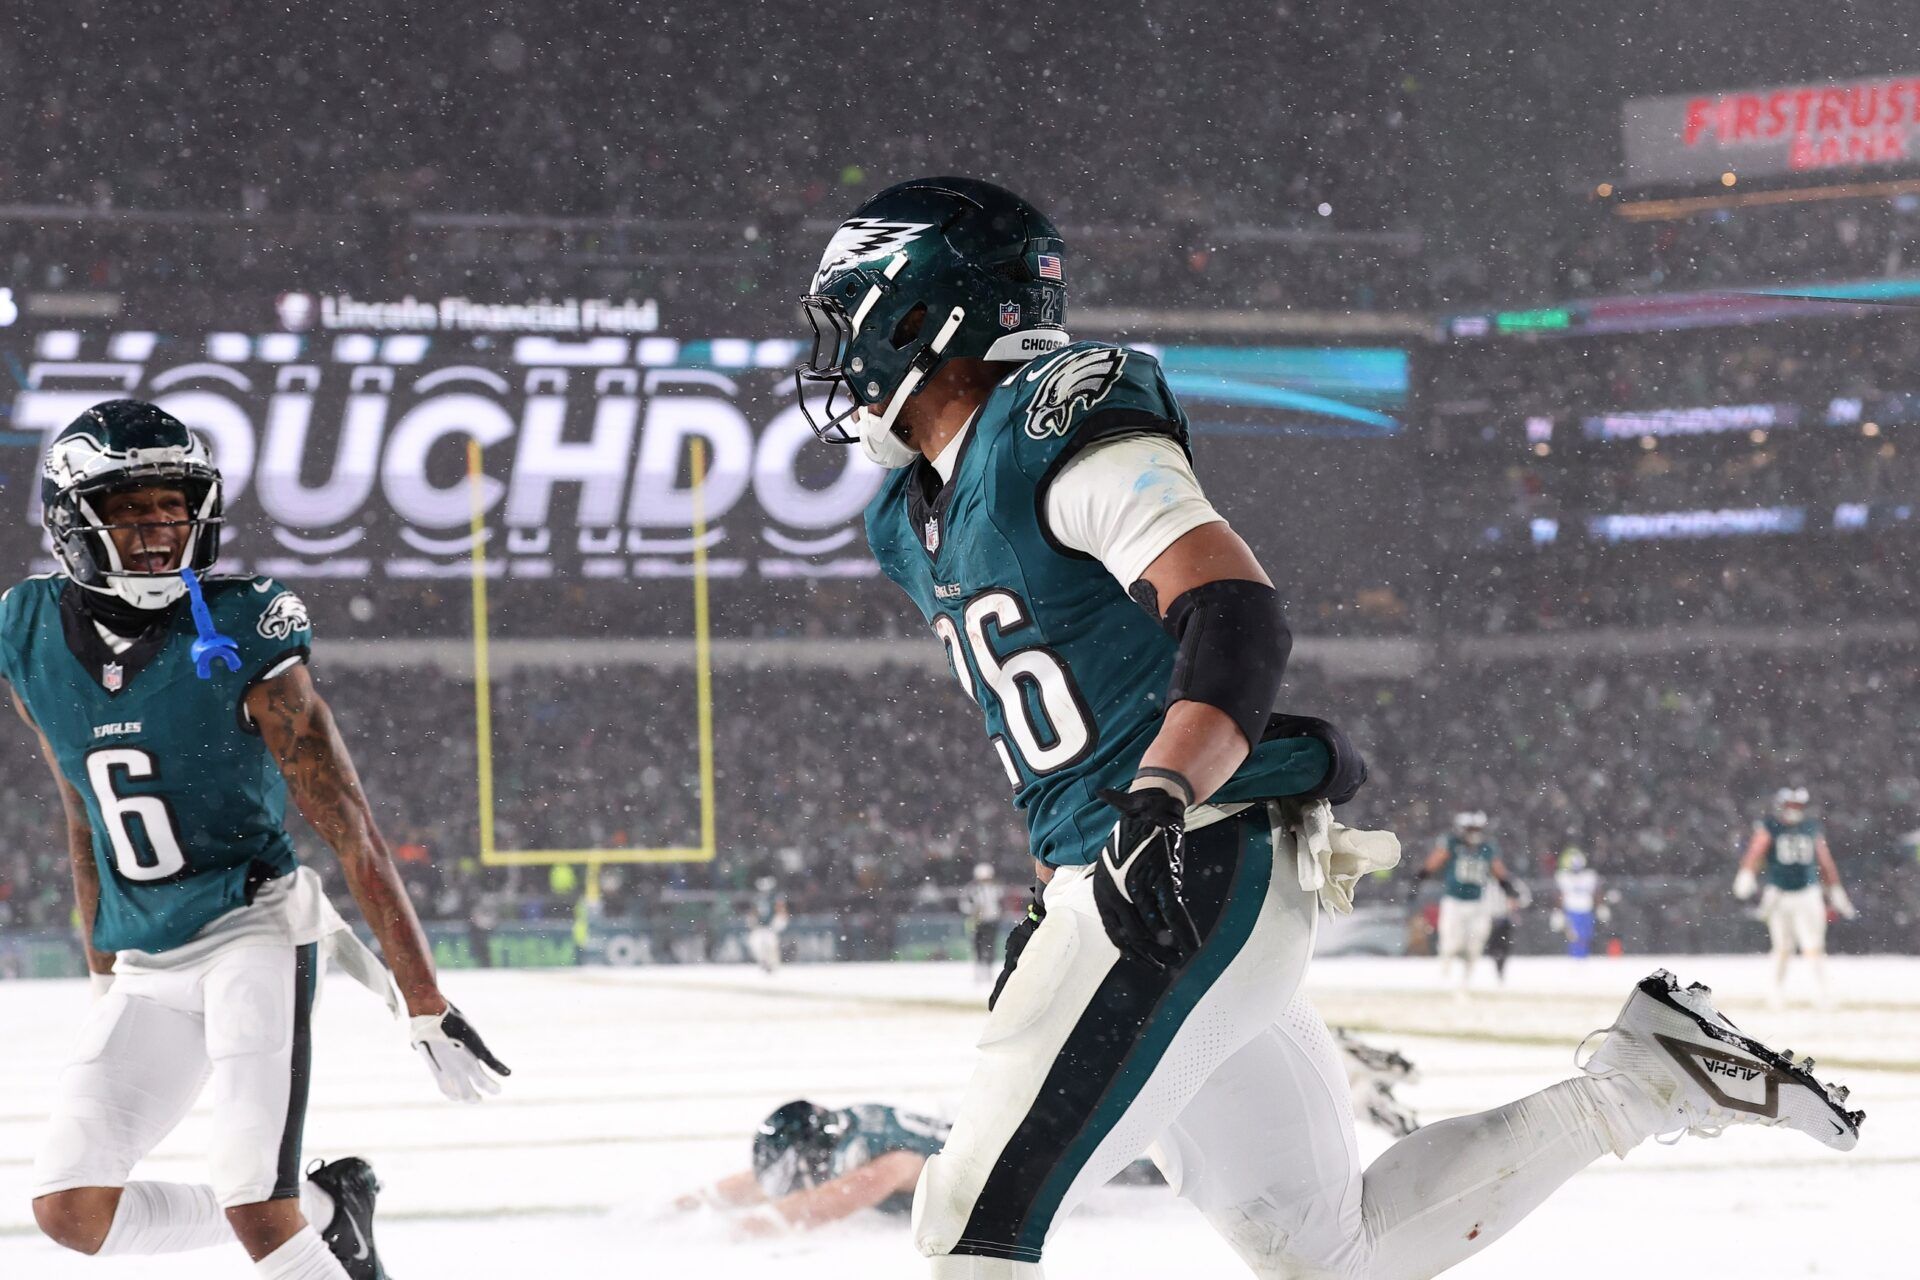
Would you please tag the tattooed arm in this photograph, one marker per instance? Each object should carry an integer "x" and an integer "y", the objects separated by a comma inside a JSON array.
[
  {"x": 86, "y": 875},
  {"x": 299, "y": 729}
]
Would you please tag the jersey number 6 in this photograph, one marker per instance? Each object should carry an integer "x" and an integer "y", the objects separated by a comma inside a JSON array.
[{"x": 162, "y": 855}]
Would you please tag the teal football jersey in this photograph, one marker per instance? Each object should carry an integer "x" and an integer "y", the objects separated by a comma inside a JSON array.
[
  {"x": 870, "y": 1130},
  {"x": 1792, "y": 852},
  {"x": 185, "y": 801},
  {"x": 1469, "y": 868},
  {"x": 1069, "y": 673}
]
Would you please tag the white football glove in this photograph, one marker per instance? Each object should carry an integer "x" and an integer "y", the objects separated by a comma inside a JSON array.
[
  {"x": 458, "y": 1058},
  {"x": 1745, "y": 884},
  {"x": 1837, "y": 899}
]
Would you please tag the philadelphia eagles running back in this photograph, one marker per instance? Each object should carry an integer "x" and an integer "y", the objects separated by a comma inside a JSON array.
[
  {"x": 1802, "y": 882},
  {"x": 177, "y": 714},
  {"x": 1125, "y": 650}
]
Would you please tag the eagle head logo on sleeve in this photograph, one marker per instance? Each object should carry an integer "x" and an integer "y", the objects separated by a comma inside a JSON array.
[
  {"x": 1073, "y": 383},
  {"x": 285, "y": 615}
]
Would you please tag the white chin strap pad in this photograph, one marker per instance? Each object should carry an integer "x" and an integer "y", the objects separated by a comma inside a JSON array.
[
  {"x": 878, "y": 444},
  {"x": 147, "y": 591},
  {"x": 874, "y": 431}
]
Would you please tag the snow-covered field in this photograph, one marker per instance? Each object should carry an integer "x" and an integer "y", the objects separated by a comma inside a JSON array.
[{"x": 631, "y": 1085}]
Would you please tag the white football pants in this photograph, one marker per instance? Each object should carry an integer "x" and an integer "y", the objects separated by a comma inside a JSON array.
[
  {"x": 1088, "y": 1060},
  {"x": 239, "y": 1021}
]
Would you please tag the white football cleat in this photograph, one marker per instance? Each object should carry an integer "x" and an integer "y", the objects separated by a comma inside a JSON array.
[{"x": 1707, "y": 1075}]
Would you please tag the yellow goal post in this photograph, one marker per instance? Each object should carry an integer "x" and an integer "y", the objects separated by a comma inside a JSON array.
[{"x": 491, "y": 853}]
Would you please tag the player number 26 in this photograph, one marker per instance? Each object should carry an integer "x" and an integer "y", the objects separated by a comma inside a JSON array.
[{"x": 1023, "y": 682}]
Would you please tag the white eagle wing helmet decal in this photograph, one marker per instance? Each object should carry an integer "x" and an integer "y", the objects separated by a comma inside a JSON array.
[
  {"x": 1079, "y": 380},
  {"x": 862, "y": 239}
]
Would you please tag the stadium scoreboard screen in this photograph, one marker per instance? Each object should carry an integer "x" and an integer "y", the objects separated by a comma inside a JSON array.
[{"x": 344, "y": 437}]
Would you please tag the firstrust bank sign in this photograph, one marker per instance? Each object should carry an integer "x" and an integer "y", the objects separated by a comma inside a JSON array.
[{"x": 1852, "y": 124}]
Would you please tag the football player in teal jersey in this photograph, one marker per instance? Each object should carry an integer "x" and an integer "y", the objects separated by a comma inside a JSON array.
[
  {"x": 177, "y": 714},
  {"x": 1802, "y": 882},
  {"x": 1125, "y": 650},
  {"x": 814, "y": 1165},
  {"x": 1470, "y": 865}
]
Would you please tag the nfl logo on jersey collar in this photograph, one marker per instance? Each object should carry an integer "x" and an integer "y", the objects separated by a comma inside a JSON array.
[
  {"x": 932, "y": 534},
  {"x": 112, "y": 676}
]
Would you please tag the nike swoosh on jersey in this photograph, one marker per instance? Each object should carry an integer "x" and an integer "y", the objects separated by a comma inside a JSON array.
[{"x": 1040, "y": 368}]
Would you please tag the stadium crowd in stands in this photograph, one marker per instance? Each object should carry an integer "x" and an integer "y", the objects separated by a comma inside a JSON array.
[
  {"x": 874, "y": 794},
  {"x": 685, "y": 120}
]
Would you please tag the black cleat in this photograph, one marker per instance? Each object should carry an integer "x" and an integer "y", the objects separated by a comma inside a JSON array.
[{"x": 351, "y": 1183}]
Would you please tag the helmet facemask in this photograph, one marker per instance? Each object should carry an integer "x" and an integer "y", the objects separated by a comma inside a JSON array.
[
  {"x": 837, "y": 362},
  {"x": 925, "y": 272},
  {"x": 83, "y": 473}
]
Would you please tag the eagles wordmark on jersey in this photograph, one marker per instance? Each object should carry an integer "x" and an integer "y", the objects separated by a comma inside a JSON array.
[
  {"x": 142, "y": 675},
  {"x": 1069, "y": 673},
  {"x": 186, "y": 803}
]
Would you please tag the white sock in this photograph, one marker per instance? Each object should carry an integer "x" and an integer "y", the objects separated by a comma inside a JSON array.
[
  {"x": 316, "y": 1204},
  {"x": 1449, "y": 1190},
  {"x": 304, "y": 1256},
  {"x": 968, "y": 1267},
  {"x": 166, "y": 1217}
]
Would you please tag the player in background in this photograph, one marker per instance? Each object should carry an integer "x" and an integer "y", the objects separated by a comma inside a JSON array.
[
  {"x": 177, "y": 715},
  {"x": 813, "y": 1165},
  {"x": 1578, "y": 887},
  {"x": 1470, "y": 864},
  {"x": 768, "y": 921},
  {"x": 983, "y": 903},
  {"x": 1125, "y": 650},
  {"x": 1793, "y": 849},
  {"x": 1505, "y": 907}
]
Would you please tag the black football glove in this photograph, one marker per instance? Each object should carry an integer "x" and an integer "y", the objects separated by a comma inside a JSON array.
[
  {"x": 1137, "y": 882},
  {"x": 1017, "y": 939}
]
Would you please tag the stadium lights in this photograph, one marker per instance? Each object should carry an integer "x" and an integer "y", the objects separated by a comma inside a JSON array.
[
  {"x": 1728, "y": 178},
  {"x": 1604, "y": 190},
  {"x": 1869, "y": 428}
]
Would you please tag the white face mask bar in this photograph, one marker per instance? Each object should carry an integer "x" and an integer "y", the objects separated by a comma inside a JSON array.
[{"x": 141, "y": 588}]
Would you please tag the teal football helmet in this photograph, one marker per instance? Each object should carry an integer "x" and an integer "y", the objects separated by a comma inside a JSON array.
[
  {"x": 793, "y": 1148},
  {"x": 115, "y": 446},
  {"x": 925, "y": 272}
]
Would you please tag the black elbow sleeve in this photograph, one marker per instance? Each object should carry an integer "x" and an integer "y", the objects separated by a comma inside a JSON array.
[{"x": 1233, "y": 651}]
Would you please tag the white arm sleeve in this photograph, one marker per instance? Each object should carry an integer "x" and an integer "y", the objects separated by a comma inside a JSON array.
[{"x": 1125, "y": 501}]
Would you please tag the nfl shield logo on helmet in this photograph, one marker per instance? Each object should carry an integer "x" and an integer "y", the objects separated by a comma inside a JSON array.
[
  {"x": 1009, "y": 315},
  {"x": 112, "y": 676},
  {"x": 933, "y": 534}
]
